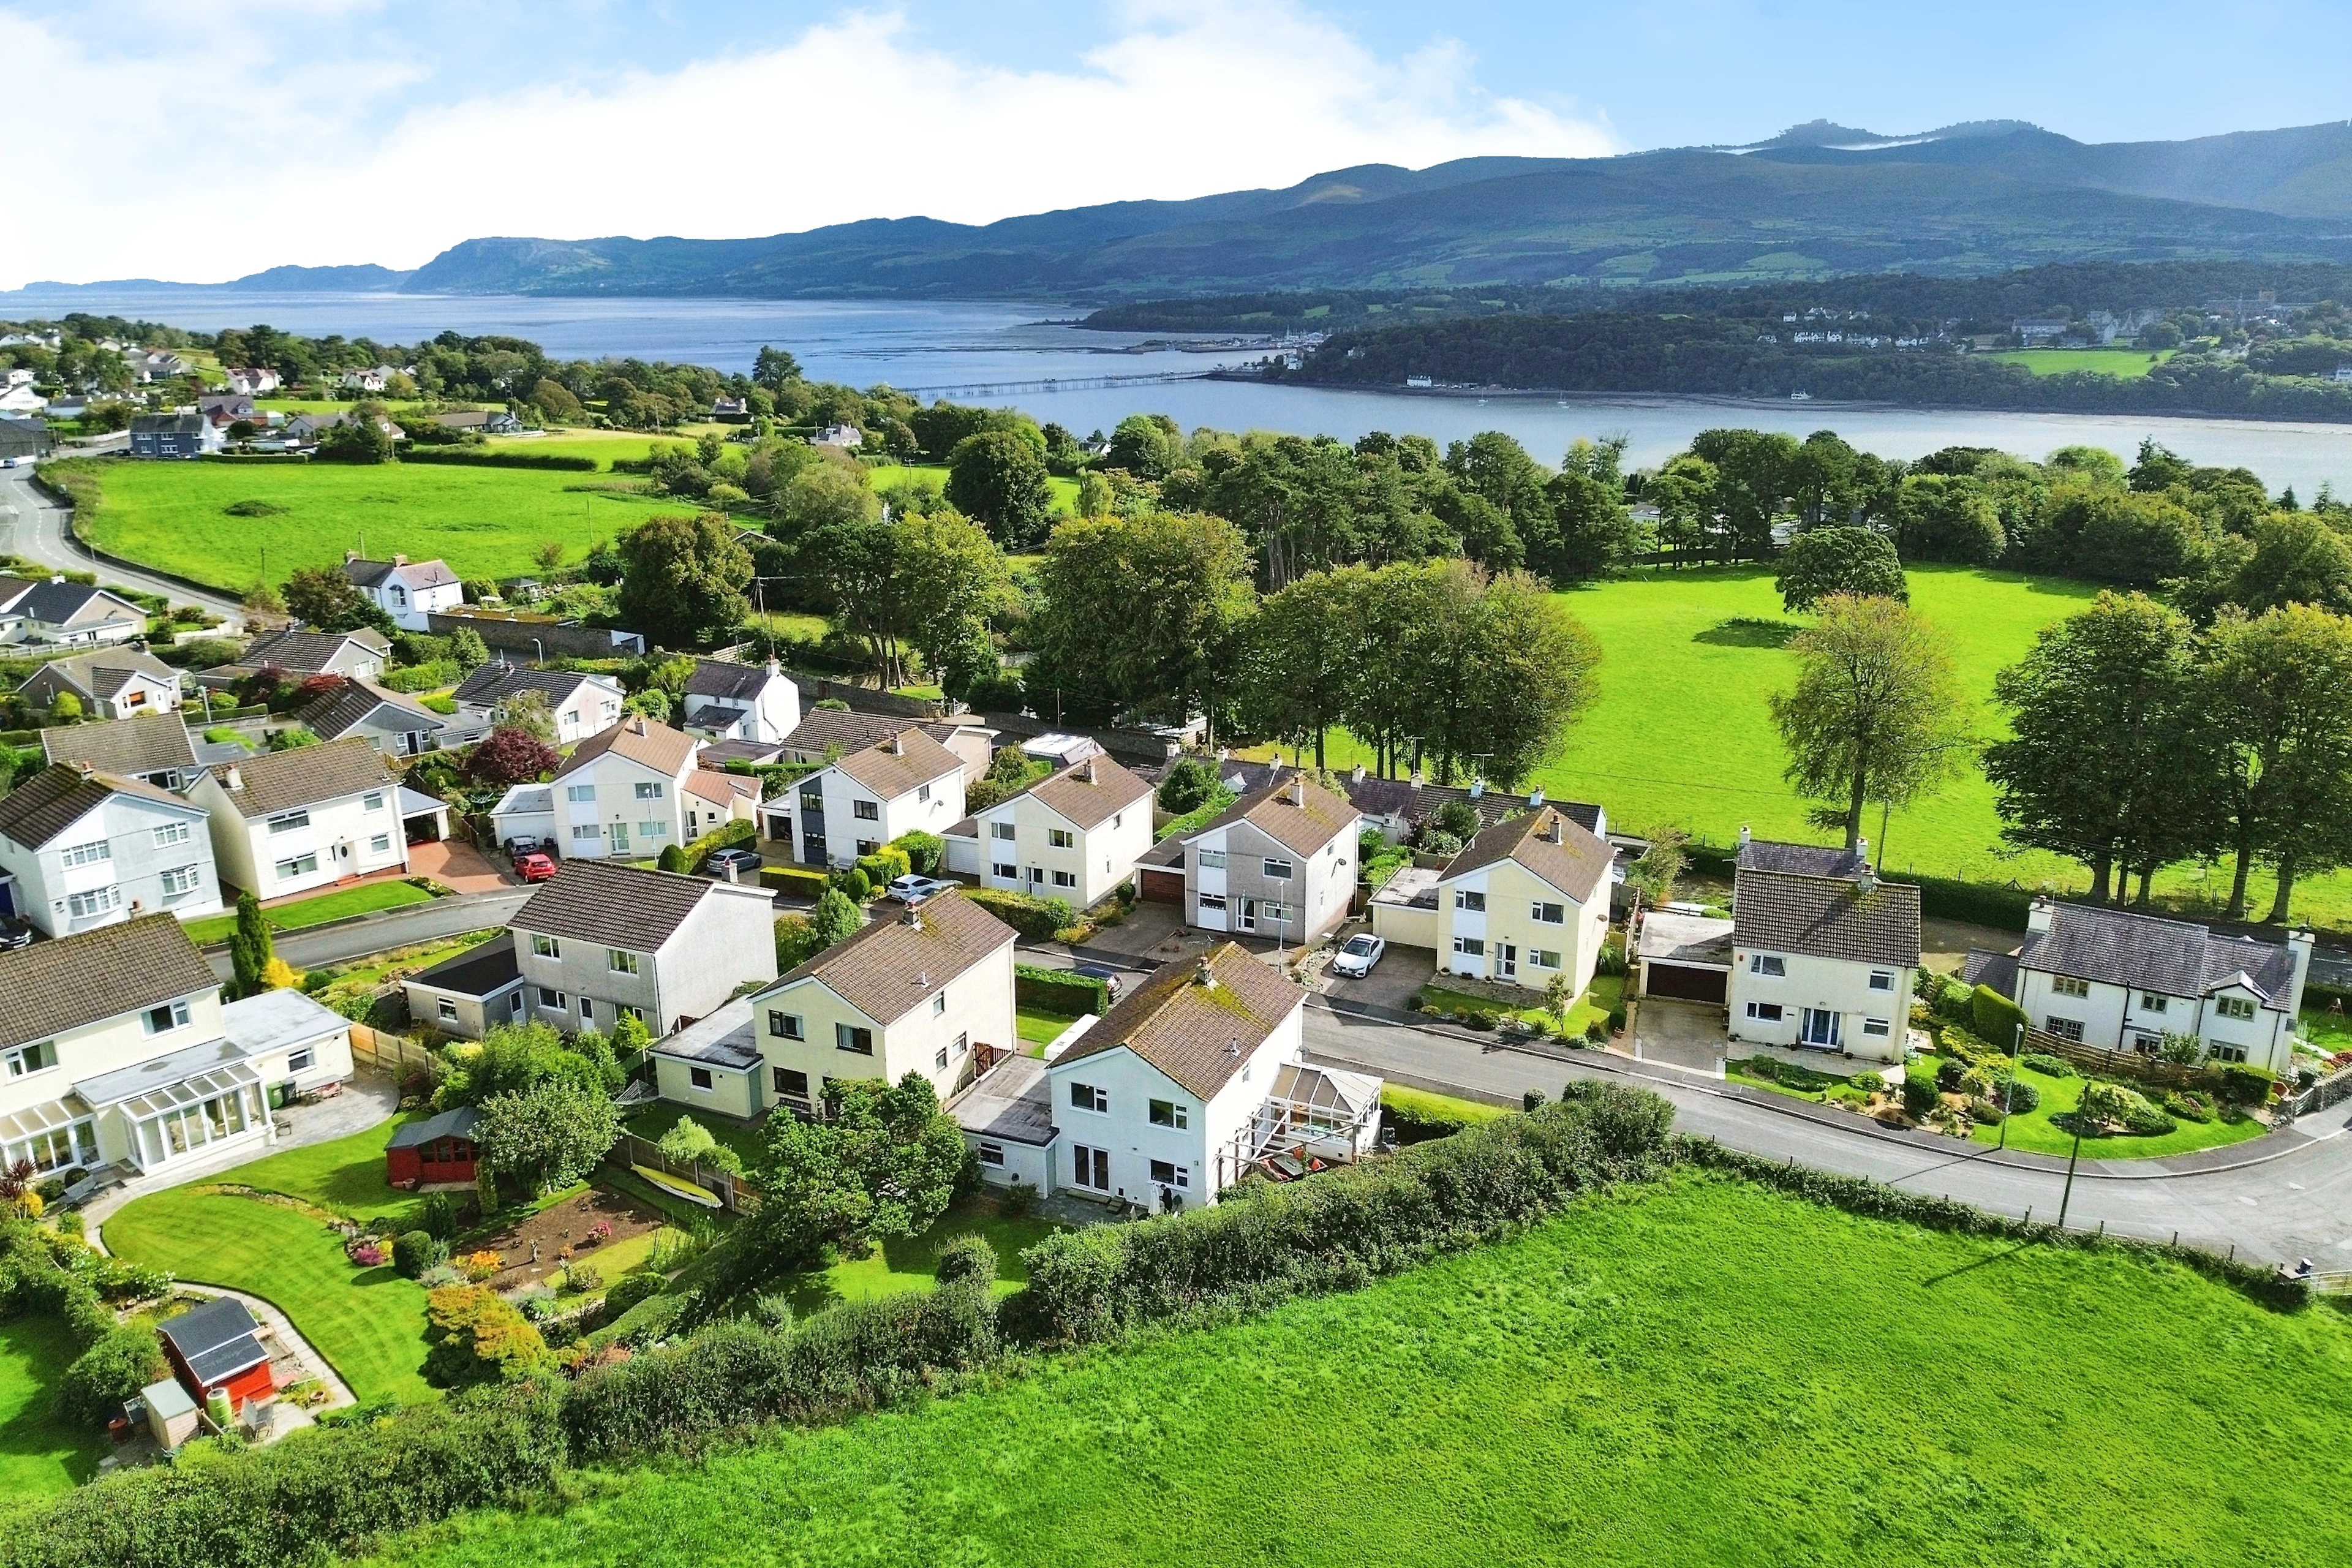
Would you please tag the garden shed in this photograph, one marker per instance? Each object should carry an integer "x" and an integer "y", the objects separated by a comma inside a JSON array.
[
  {"x": 438, "y": 1149},
  {"x": 219, "y": 1345}
]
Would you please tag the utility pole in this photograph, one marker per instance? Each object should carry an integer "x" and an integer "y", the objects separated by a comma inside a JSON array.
[{"x": 2068, "y": 1195}]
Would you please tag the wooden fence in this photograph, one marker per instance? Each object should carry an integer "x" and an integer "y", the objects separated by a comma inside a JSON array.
[
  {"x": 737, "y": 1194},
  {"x": 394, "y": 1055},
  {"x": 2122, "y": 1064}
]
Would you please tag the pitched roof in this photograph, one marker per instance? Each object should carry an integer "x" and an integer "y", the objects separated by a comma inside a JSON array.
[
  {"x": 1577, "y": 865},
  {"x": 455, "y": 1123},
  {"x": 1089, "y": 793},
  {"x": 52, "y": 986},
  {"x": 410, "y": 573},
  {"x": 54, "y": 602},
  {"x": 59, "y": 795},
  {"x": 272, "y": 782},
  {"x": 2148, "y": 952},
  {"x": 1297, "y": 814},
  {"x": 892, "y": 767},
  {"x": 149, "y": 743},
  {"x": 724, "y": 678},
  {"x": 640, "y": 740},
  {"x": 1410, "y": 802},
  {"x": 106, "y": 671},
  {"x": 1827, "y": 916},
  {"x": 217, "y": 1339},
  {"x": 337, "y": 713},
  {"x": 891, "y": 965},
  {"x": 166, "y": 424},
  {"x": 616, "y": 905},
  {"x": 1800, "y": 859},
  {"x": 306, "y": 653},
  {"x": 723, "y": 787},
  {"x": 497, "y": 682},
  {"x": 1199, "y": 1035},
  {"x": 822, "y": 727}
]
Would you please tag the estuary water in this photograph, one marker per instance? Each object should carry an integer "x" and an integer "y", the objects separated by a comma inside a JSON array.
[{"x": 1004, "y": 353}]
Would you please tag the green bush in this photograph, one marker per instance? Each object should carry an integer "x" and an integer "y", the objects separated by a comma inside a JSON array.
[
  {"x": 1037, "y": 919},
  {"x": 1478, "y": 1018},
  {"x": 119, "y": 1362},
  {"x": 436, "y": 1215},
  {"x": 499, "y": 458},
  {"x": 794, "y": 879},
  {"x": 2047, "y": 1066},
  {"x": 1987, "y": 1112},
  {"x": 854, "y": 883},
  {"x": 966, "y": 1260},
  {"x": 1060, "y": 990},
  {"x": 883, "y": 867},
  {"x": 1869, "y": 1082},
  {"x": 1918, "y": 1095},
  {"x": 1995, "y": 1017},
  {"x": 924, "y": 851},
  {"x": 414, "y": 1251},
  {"x": 2189, "y": 1106},
  {"x": 672, "y": 858},
  {"x": 476, "y": 1334},
  {"x": 2245, "y": 1084},
  {"x": 629, "y": 1289}
]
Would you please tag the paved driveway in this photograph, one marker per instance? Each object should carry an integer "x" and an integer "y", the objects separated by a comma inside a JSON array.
[
  {"x": 1679, "y": 1033},
  {"x": 454, "y": 863},
  {"x": 1395, "y": 980}
]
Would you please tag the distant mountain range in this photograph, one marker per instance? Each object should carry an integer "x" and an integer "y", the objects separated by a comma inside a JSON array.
[{"x": 1817, "y": 200}]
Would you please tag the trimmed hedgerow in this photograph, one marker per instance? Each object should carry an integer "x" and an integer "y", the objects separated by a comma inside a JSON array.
[
  {"x": 1060, "y": 990},
  {"x": 1037, "y": 919}
]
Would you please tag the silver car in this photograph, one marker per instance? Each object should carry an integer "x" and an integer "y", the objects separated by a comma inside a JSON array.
[{"x": 1358, "y": 954}]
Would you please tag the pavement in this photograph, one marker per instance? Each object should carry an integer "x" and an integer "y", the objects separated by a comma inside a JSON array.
[
  {"x": 33, "y": 526},
  {"x": 403, "y": 927}
]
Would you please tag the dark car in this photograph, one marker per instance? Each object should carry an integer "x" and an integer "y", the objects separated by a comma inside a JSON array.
[
  {"x": 742, "y": 862},
  {"x": 15, "y": 934},
  {"x": 1102, "y": 972}
]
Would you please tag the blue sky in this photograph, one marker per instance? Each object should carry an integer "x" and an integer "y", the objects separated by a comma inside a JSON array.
[{"x": 372, "y": 130}]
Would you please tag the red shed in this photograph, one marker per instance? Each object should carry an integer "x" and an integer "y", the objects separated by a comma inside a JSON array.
[
  {"x": 438, "y": 1149},
  {"x": 219, "y": 1345}
]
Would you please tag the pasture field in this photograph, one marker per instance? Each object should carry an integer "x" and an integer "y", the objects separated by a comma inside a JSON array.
[
  {"x": 2124, "y": 365},
  {"x": 1702, "y": 1372},
  {"x": 1680, "y": 734}
]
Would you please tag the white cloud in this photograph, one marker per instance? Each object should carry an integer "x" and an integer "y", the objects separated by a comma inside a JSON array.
[{"x": 1182, "y": 103}]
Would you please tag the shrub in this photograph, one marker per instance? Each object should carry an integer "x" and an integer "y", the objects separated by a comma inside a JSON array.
[
  {"x": 1597, "y": 1032},
  {"x": 476, "y": 1333},
  {"x": 671, "y": 859},
  {"x": 629, "y": 1289},
  {"x": 414, "y": 1251},
  {"x": 1617, "y": 1019},
  {"x": 119, "y": 1363},
  {"x": 1985, "y": 1110},
  {"x": 437, "y": 1217},
  {"x": 2245, "y": 1084},
  {"x": 967, "y": 1260},
  {"x": 854, "y": 883},
  {"x": 1531, "y": 1099},
  {"x": 1950, "y": 1072},
  {"x": 924, "y": 851},
  {"x": 882, "y": 867},
  {"x": 1018, "y": 1201},
  {"x": 794, "y": 880},
  {"x": 1478, "y": 1018},
  {"x": 2114, "y": 1104},
  {"x": 583, "y": 1276},
  {"x": 1060, "y": 990},
  {"x": 1036, "y": 919},
  {"x": 1766, "y": 1068},
  {"x": 1869, "y": 1082},
  {"x": 1918, "y": 1095},
  {"x": 2047, "y": 1066},
  {"x": 1994, "y": 1016},
  {"x": 2189, "y": 1106}
]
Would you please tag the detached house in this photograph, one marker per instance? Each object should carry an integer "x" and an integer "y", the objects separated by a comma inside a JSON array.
[
  {"x": 1821, "y": 951},
  {"x": 116, "y": 684},
  {"x": 2119, "y": 981},
  {"x": 395, "y": 725},
  {"x": 120, "y": 1052},
  {"x": 1528, "y": 898},
  {"x": 1074, "y": 834},
  {"x": 285, "y": 821},
  {"x": 173, "y": 435},
  {"x": 88, "y": 849},
  {"x": 253, "y": 381},
  {"x": 1194, "y": 1080},
  {"x": 866, "y": 797},
  {"x": 356, "y": 656},
  {"x": 741, "y": 701},
  {"x": 602, "y": 941},
  {"x": 925, "y": 988},
  {"x": 825, "y": 733},
  {"x": 1279, "y": 862},
  {"x": 56, "y": 612},
  {"x": 581, "y": 705},
  {"x": 153, "y": 747},
  {"x": 408, "y": 591},
  {"x": 622, "y": 794}
]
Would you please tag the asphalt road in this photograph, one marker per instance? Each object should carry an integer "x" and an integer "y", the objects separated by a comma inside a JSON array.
[
  {"x": 399, "y": 928},
  {"x": 34, "y": 527}
]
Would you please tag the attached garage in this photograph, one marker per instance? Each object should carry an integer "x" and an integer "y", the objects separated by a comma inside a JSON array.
[
  {"x": 1686, "y": 957},
  {"x": 1685, "y": 982},
  {"x": 1162, "y": 884}
]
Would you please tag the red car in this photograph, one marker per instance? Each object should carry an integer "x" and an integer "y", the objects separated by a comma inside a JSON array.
[{"x": 535, "y": 868}]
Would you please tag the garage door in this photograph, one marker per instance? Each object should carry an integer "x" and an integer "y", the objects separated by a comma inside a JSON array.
[
  {"x": 1161, "y": 886},
  {"x": 1688, "y": 983}
]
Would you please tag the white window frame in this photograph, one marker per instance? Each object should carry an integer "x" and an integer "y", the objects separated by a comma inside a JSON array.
[
  {"x": 649, "y": 789},
  {"x": 1211, "y": 860},
  {"x": 94, "y": 902},
  {"x": 579, "y": 795},
  {"x": 1470, "y": 900},
  {"x": 546, "y": 946},
  {"x": 1177, "y": 1114},
  {"x": 2069, "y": 985},
  {"x": 172, "y": 833},
  {"x": 1767, "y": 1012},
  {"x": 1090, "y": 1097},
  {"x": 380, "y": 844},
  {"x": 1002, "y": 830},
  {"x": 1767, "y": 965},
  {"x": 1470, "y": 946},
  {"x": 1061, "y": 838},
  {"x": 1066, "y": 879},
  {"x": 290, "y": 821},
  {"x": 1546, "y": 913},
  {"x": 619, "y": 960},
  {"x": 23, "y": 1061},
  {"x": 2240, "y": 1008},
  {"x": 1005, "y": 871},
  {"x": 175, "y": 1016},
  {"x": 372, "y": 801},
  {"x": 88, "y": 854},
  {"x": 2067, "y": 1029},
  {"x": 1269, "y": 867},
  {"x": 1876, "y": 1028},
  {"x": 1882, "y": 980}
]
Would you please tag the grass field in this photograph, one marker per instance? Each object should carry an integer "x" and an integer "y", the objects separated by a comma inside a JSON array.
[
  {"x": 2124, "y": 365},
  {"x": 933, "y": 476},
  {"x": 1681, "y": 734},
  {"x": 1704, "y": 1375},
  {"x": 909, "y": 1263},
  {"x": 365, "y": 899},
  {"x": 40, "y": 1452},
  {"x": 1040, "y": 1028}
]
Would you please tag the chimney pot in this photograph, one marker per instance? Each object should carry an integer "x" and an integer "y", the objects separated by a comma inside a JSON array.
[
  {"x": 400, "y": 560},
  {"x": 1743, "y": 836},
  {"x": 1558, "y": 828},
  {"x": 236, "y": 777},
  {"x": 1357, "y": 776},
  {"x": 1203, "y": 974}
]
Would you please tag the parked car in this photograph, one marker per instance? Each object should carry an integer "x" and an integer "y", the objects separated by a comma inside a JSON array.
[
  {"x": 519, "y": 848},
  {"x": 15, "y": 934},
  {"x": 1102, "y": 972},
  {"x": 535, "y": 868},
  {"x": 914, "y": 890},
  {"x": 745, "y": 862},
  {"x": 1358, "y": 954}
]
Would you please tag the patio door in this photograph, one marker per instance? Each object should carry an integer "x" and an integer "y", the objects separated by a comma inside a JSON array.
[
  {"x": 1507, "y": 961},
  {"x": 1819, "y": 1029},
  {"x": 1091, "y": 1167}
]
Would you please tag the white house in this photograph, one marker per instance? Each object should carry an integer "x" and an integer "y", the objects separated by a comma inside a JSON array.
[
  {"x": 394, "y": 724},
  {"x": 846, "y": 437},
  {"x": 741, "y": 701},
  {"x": 926, "y": 989},
  {"x": 408, "y": 591},
  {"x": 88, "y": 850},
  {"x": 1279, "y": 862},
  {"x": 119, "y": 683},
  {"x": 2121, "y": 982},
  {"x": 1823, "y": 951},
  {"x": 622, "y": 793},
  {"x": 253, "y": 381},
  {"x": 1527, "y": 899},
  {"x": 285, "y": 821},
  {"x": 1074, "y": 834},
  {"x": 1195, "y": 1079},
  {"x": 120, "y": 1052},
  {"x": 153, "y": 747},
  {"x": 866, "y": 797},
  {"x": 581, "y": 705},
  {"x": 601, "y": 941},
  {"x": 54, "y": 612}
]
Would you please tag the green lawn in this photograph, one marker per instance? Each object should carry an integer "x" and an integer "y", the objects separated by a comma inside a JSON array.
[
  {"x": 1606, "y": 991},
  {"x": 1704, "y": 1375},
  {"x": 1430, "y": 1107},
  {"x": 650, "y": 1121},
  {"x": 934, "y": 475},
  {"x": 39, "y": 1451},
  {"x": 486, "y": 522},
  {"x": 2124, "y": 365},
  {"x": 346, "y": 1176},
  {"x": 908, "y": 1263},
  {"x": 2034, "y": 1132},
  {"x": 1040, "y": 1028},
  {"x": 1680, "y": 733},
  {"x": 365, "y": 899},
  {"x": 2330, "y": 1031}
]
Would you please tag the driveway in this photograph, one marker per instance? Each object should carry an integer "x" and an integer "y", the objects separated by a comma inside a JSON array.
[
  {"x": 1149, "y": 936},
  {"x": 454, "y": 863},
  {"x": 1394, "y": 980},
  {"x": 1687, "y": 1034}
]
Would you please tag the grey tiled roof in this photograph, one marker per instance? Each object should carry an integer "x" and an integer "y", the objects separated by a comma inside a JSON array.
[
  {"x": 495, "y": 683},
  {"x": 270, "y": 782},
  {"x": 409, "y": 573},
  {"x": 338, "y": 713},
  {"x": 104, "y": 673},
  {"x": 151, "y": 743},
  {"x": 1996, "y": 970},
  {"x": 1800, "y": 859},
  {"x": 306, "y": 653},
  {"x": 617, "y": 905},
  {"x": 1827, "y": 916},
  {"x": 1199, "y": 1035},
  {"x": 477, "y": 971},
  {"x": 52, "y": 986},
  {"x": 822, "y": 727},
  {"x": 1408, "y": 802},
  {"x": 724, "y": 678},
  {"x": 2148, "y": 952}
]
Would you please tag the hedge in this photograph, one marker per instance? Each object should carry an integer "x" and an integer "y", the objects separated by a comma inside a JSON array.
[
  {"x": 1060, "y": 990},
  {"x": 1996, "y": 1018},
  {"x": 1036, "y": 919},
  {"x": 478, "y": 459},
  {"x": 810, "y": 884},
  {"x": 884, "y": 866},
  {"x": 726, "y": 836},
  {"x": 253, "y": 457},
  {"x": 1264, "y": 1242}
]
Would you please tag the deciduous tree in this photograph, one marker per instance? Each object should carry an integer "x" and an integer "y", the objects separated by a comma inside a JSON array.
[
  {"x": 2276, "y": 684},
  {"x": 683, "y": 578},
  {"x": 997, "y": 478},
  {"x": 1822, "y": 562},
  {"x": 1139, "y": 610},
  {"x": 1876, "y": 692},
  {"x": 883, "y": 1164}
]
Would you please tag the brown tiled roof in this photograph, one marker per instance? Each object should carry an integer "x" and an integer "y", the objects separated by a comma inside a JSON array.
[
  {"x": 886, "y": 970},
  {"x": 724, "y": 788},
  {"x": 53, "y": 987},
  {"x": 639, "y": 739},
  {"x": 890, "y": 772},
  {"x": 618, "y": 906},
  {"x": 1827, "y": 916},
  {"x": 272, "y": 782},
  {"x": 57, "y": 797},
  {"x": 147, "y": 744},
  {"x": 1087, "y": 802},
  {"x": 1297, "y": 814},
  {"x": 336, "y": 713},
  {"x": 1578, "y": 864},
  {"x": 1197, "y": 1035}
]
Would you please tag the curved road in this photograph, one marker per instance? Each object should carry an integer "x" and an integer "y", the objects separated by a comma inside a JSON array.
[{"x": 35, "y": 526}]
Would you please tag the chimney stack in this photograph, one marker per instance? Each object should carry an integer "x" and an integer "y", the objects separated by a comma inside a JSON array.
[
  {"x": 350, "y": 556},
  {"x": 898, "y": 745},
  {"x": 1558, "y": 831},
  {"x": 774, "y": 668},
  {"x": 1298, "y": 789},
  {"x": 400, "y": 560},
  {"x": 1090, "y": 772},
  {"x": 1357, "y": 776},
  {"x": 1743, "y": 836},
  {"x": 1203, "y": 976},
  {"x": 638, "y": 725},
  {"x": 236, "y": 777}
]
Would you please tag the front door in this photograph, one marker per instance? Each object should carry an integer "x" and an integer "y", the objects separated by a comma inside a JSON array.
[
  {"x": 1091, "y": 1167},
  {"x": 1249, "y": 915},
  {"x": 1506, "y": 961},
  {"x": 620, "y": 838},
  {"x": 1819, "y": 1029}
]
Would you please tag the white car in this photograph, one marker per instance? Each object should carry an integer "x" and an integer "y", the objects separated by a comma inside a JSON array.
[
  {"x": 1358, "y": 954},
  {"x": 915, "y": 890}
]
